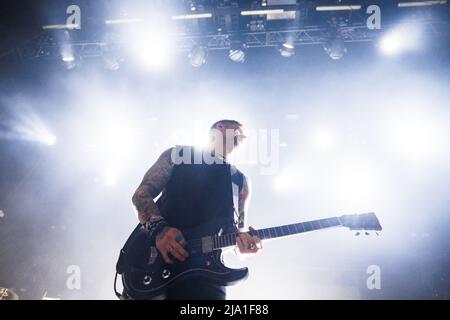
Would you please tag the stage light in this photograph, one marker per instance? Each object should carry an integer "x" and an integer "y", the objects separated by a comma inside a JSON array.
[
  {"x": 205, "y": 15},
  {"x": 67, "y": 53},
  {"x": 68, "y": 58},
  {"x": 404, "y": 38},
  {"x": 49, "y": 139},
  {"x": 338, "y": 8},
  {"x": 69, "y": 26},
  {"x": 192, "y": 5},
  {"x": 260, "y": 12},
  {"x": 197, "y": 57},
  {"x": 154, "y": 55},
  {"x": 37, "y": 132},
  {"x": 335, "y": 48},
  {"x": 26, "y": 124},
  {"x": 390, "y": 44},
  {"x": 287, "y": 50},
  {"x": 151, "y": 45},
  {"x": 421, "y": 3},
  {"x": 237, "y": 53}
]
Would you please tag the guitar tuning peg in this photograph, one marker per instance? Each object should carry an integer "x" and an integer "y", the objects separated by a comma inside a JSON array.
[
  {"x": 366, "y": 233},
  {"x": 357, "y": 234}
]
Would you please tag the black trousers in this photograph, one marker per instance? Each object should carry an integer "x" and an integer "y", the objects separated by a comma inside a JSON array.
[{"x": 194, "y": 288}]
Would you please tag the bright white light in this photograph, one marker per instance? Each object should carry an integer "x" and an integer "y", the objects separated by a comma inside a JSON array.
[
  {"x": 67, "y": 54},
  {"x": 154, "y": 54},
  {"x": 27, "y": 125},
  {"x": 68, "y": 58},
  {"x": 50, "y": 140},
  {"x": 152, "y": 46},
  {"x": 421, "y": 3},
  {"x": 287, "y": 50},
  {"x": 192, "y": 16},
  {"x": 323, "y": 139},
  {"x": 404, "y": 38},
  {"x": 260, "y": 12},
  {"x": 338, "y": 8},
  {"x": 61, "y": 26}
]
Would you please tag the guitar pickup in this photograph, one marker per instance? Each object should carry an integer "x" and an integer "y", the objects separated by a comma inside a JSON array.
[{"x": 153, "y": 255}]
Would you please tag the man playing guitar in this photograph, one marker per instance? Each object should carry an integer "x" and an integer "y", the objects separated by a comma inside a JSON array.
[{"x": 193, "y": 191}]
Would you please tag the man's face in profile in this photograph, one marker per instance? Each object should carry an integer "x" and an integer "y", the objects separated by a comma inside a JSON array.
[{"x": 228, "y": 137}]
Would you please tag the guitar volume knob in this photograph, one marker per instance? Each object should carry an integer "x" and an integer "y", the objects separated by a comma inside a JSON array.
[
  {"x": 165, "y": 273},
  {"x": 147, "y": 280}
]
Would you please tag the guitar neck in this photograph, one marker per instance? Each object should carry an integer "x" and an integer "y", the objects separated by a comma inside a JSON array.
[{"x": 229, "y": 239}]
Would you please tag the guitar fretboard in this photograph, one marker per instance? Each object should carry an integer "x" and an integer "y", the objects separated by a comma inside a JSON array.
[{"x": 229, "y": 239}]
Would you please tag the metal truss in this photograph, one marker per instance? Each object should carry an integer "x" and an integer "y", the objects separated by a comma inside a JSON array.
[{"x": 45, "y": 46}]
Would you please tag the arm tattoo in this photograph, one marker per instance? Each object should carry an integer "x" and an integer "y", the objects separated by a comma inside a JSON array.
[
  {"x": 151, "y": 186},
  {"x": 243, "y": 202}
]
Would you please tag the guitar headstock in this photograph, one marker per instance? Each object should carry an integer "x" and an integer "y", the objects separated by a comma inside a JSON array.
[{"x": 364, "y": 221}]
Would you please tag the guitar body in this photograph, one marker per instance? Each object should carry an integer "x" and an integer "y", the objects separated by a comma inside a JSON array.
[{"x": 145, "y": 275}]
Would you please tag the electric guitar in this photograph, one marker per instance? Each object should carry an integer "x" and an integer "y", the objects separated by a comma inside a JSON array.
[{"x": 145, "y": 275}]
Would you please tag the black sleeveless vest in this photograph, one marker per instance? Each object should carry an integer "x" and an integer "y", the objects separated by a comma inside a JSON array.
[{"x": 197, "y": 193}]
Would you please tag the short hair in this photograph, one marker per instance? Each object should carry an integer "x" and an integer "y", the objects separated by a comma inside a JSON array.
[{"x": 226, "y": 122}]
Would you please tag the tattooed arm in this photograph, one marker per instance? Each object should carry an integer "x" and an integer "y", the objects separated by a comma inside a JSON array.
[
  {"x": 245, "y": 242},
  {"x": 243, "y": 202},
  {"x": 151, "y": 186}
]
